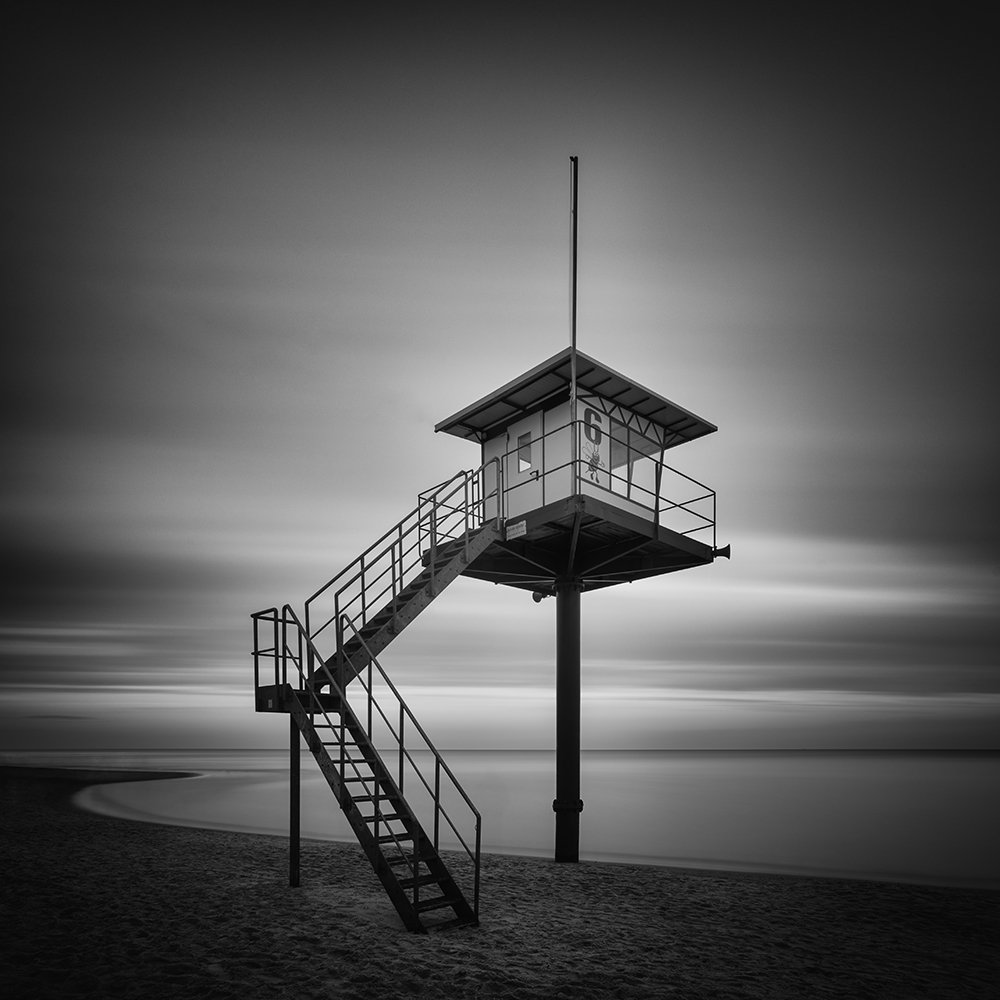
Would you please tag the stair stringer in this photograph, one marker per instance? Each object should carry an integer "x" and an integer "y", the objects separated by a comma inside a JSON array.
[
  {"x": 423, "y": 849},
  {"x": 360, "y": 653}
]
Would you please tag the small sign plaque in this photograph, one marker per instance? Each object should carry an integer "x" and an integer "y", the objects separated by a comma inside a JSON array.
[{"x": 516, "y": 530}]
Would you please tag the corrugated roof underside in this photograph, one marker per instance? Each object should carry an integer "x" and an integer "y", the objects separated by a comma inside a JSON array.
[{"x": 550, "y": 382}]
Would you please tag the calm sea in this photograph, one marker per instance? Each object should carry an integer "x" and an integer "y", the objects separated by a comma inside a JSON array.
[{"x": 908, "y": 816}]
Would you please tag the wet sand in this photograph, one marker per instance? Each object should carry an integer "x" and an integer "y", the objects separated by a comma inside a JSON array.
[{"x": 95, "y": 906}]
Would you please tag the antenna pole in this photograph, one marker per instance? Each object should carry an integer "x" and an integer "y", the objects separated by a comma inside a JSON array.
[{"x": 574, "y": 200}]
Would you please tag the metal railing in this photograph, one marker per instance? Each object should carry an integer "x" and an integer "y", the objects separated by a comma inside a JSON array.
[
  {"x": 643, "y": 483},
  {"x": 450, "y": 511},
  {"x": 385, "y": 717}
]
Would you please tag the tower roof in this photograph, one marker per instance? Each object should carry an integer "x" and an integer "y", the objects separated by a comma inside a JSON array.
[{"x": 548, "y": 384}]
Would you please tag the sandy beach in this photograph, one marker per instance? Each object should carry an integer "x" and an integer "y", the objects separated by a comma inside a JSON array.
[{"x": 95, "y": 906}]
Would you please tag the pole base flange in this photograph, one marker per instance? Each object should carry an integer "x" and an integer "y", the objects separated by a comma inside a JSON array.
[{"x": 576, "y": 806}]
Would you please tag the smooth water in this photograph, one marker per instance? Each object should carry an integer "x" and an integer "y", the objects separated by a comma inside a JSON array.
[{"x": 908, "y": 816}]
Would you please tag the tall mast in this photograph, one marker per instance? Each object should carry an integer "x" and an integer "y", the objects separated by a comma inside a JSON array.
[{"x": 574, "y": 198}]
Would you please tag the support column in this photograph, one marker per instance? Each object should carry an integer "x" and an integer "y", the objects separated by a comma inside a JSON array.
[
  {"x": 294, "y": 811},
  {"x": 567, "y": 803}
]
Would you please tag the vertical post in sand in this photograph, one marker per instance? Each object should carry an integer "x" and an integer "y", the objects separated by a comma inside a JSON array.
[
  {"x": 293, "y": 803},
  {"x": 567, "y": 804}
]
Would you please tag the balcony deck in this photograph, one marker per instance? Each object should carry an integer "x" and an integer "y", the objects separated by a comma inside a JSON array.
[{"x": 585, "y": 539}]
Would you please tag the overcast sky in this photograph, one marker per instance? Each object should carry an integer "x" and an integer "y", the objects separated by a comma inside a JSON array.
[{"x": 250, "y": 260}]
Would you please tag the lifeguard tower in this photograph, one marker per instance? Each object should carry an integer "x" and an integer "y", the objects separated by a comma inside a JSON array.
[
  {"x": 587, "y": 501},
  {"x": 573, "y": 494}
]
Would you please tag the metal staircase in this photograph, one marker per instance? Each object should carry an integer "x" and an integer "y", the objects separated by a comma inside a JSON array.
[{"x": 366, "y": 741}]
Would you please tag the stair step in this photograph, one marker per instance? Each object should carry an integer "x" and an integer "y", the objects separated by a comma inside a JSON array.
[
  {"x": 409, "y": 859},
  {"x": 380, "y": 619},
  {"x": 349, "y": 755},
  {"x": 338, "y": 744},
  {"x": 391, "y": 838},
  {"x": 437, "y": 903},
  {"x": 412, "y": 883}
]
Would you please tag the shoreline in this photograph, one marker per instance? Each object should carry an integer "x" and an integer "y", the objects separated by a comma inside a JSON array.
[
  {"x": 91, "y": 800},
  {"x": 101, "y": 906}
]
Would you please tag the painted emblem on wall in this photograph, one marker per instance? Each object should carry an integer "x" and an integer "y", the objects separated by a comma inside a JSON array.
[
  {"x": 594, "y": 464},
  {"x": 591, "y": 452}
]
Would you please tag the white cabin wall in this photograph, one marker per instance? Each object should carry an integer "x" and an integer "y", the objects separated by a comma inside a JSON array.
[
  {"x": 550, "y": 476},
  {"x": 558, "y": 473}
]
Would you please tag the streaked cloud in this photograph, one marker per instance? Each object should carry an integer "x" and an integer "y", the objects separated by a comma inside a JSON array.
[{"x": 250, "y": 266}]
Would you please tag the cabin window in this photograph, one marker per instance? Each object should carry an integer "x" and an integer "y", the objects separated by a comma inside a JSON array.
[
  {"x": 619, "y": 456},
  {"x": 644, "y": 459},
  {"x": 524, "y": 452},
  {"x": 633, "y": 465}
]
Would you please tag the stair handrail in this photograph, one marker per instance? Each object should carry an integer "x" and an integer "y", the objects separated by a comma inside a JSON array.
[
  {"x": 309, "y": 663},
  {"x": 430, "y": 518},
  {"x": 413, "y": 719},
  {"x": 267, "y": 614},
  {"x": 303, "y": 661},
  {"x": 440, "y": 764}
]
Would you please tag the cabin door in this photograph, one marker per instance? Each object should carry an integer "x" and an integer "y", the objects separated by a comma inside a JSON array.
[{"x": 524, "y": 466}]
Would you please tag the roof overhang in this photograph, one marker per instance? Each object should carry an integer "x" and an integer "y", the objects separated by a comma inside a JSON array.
[{"x": 549, "y": 383}]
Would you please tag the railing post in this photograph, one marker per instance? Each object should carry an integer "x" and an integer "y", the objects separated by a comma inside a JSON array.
[
  {"x": 658, "y": 478},
  {"x": 465, "y": 513},
  {"x": 501, "y": 495},
  {"x": 433, "y": 541},
  {"x": 284, "y": 647},
  {"x": 277, "y": 674},
  {"x": 480, "y": 501},
  {"x": 479, "y": 838},
  {"x": 401, "y": 744},
  {"x": 298, "y": 649},
  {"x": 256, "y": 653},
  {"x": 437, "y": 800},
  {"x": 294, "y": 803},
  {"x": 340, "y": 672},
  {"x": 575, "y": 461},
  {"x": 397, "y": 570},
  {"x": 364, "y": 608},
  {"x": 342, "y": 741},
  {"x": 392, "y": 576}
]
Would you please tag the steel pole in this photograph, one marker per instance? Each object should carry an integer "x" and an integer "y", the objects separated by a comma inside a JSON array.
[
  {"x": 567, "y": 804},
  {"x": 574, "y": 431},
  {"x": 293, "y": 803}
]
